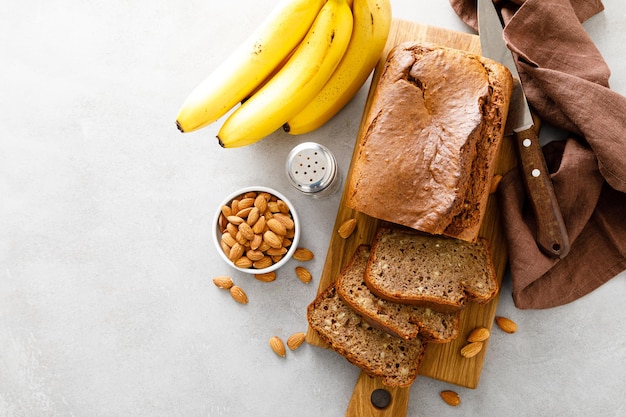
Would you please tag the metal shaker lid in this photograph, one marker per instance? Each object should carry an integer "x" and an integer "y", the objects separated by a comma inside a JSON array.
[{"x": 311, "y": 167}]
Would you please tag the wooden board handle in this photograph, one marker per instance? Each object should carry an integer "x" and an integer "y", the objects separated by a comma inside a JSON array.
[{"x": 392, "y": 402}]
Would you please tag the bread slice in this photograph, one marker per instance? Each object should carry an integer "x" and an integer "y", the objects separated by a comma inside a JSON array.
[
  {"x": 437, "y": 272},
  {"x": 426, "y": 156},
  {"x": 400, "y": 320},
  {"x": 377, "y": 353}
]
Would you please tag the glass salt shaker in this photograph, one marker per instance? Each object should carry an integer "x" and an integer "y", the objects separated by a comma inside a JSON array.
[{"x": 312, "y": 169}]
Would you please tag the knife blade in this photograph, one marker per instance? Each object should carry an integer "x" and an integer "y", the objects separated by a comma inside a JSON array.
[{"x": 551, "y": 235}]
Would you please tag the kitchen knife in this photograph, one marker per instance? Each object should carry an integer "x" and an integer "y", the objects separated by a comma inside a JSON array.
[{"x": 551, "y": 235}]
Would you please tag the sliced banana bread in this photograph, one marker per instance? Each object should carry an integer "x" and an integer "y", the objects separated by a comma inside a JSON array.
[
  {"x": 401, "y": 320},
  {"x": 437, "y": 272},
  {"x": 377, "y": 353}
]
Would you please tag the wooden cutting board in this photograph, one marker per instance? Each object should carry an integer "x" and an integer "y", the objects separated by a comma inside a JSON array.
[{"x": 442, "y": 361}]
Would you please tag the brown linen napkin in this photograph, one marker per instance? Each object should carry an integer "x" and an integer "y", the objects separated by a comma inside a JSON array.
[{"x": 566, "y": 81}]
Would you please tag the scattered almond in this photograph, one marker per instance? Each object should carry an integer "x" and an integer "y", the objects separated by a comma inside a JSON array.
[
  {"x": 346, "y": 228},
  {"x": 278, "y": 346},
  {"x": 295, "y": 340},
  {"x": 471, "y": 349},
  {"x": 238, "y": 294},
  {"x": 223, "y": 282},
  {"x": 303, "y": 255},
  {"x": 479, "y": 334},
  {"x": 303, "y": 274},
  {"x": 507, "y": 325},
  {"x": 266, "y": 277},
  {"x": 450, "y": 397}
]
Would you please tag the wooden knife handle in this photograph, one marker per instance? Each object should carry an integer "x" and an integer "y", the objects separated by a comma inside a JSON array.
[
  {"x": 362, "y": 403},
  {"x": 552, "y": 236}
]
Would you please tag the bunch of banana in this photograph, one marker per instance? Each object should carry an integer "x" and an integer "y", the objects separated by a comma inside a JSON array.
[
  {"x": 372, "y": 21},
  {"x": 302, "y": 65}
]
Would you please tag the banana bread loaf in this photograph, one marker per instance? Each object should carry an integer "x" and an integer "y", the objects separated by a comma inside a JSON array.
[
  {"x": 427, "y": 153},
  {"x": 432, "y": 271},
  {"x": 377, "y": 353},
  {"x": 401, "y": 320}
]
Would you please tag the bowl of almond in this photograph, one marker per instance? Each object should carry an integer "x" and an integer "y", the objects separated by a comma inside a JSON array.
[{"x": 256, "y": 230}]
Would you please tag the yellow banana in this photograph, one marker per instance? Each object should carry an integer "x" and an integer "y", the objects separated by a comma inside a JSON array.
[
  {"x": 281, "y": 31},
  {"x": 372, "y": 21},
  {"x": 302, "y": 77}
]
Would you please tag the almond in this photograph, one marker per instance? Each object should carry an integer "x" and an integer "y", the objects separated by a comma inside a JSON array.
[
  {"x": 234, "y": 206},
  {"x": 272, "y": 207},
  {"x": 226, "y": 211},
  {"x": 278, "y": 346},
  {"x": 244, "y": 213},
  {"x": 260, "y": 202},
  {"x": 222, "y": 222},
  {"x": 225, "y": 249},
  {"x": 255, "y": 255},
  {"x": 346, "y": 228},
  {"x": 228, "y": 239},
  {"x": 276, "y": 251},
  {"x": 450, "y": 397},
  {"x": 471, "y": 349},
  {"x": 295, "y": 340},
  {"x": 277, "y": 226},
  {"x": 266, "y": 277},
  {"x": 479, "y": 334},
  {"x": 253, "y": 217},
  {"x": 236, "y": 220},
  {"x": 264, "y": 262},
  {"x": 243, "y": 262},
  {"x": 272, "y": 239},
  {"x": 236, "y": 252},
  {"x": 246, "y": 231},
  {"x": 245, "y": 203},
  {"x": 303, "y": 255},
  {"x": 238, "y": 294},
  {"x": 259, "y": 226},
  {"x": 285, "y": 219},
  {"x": 256, "y": 241},
  {"x": 506, "y": 325},
  {"x": 223, "y": 282},
  {"x": 232, "y": 229},
  {"x": 303, "y": 274},
  {"x": 240, "y": 238},
  {"x": 282, "y": 206}
]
